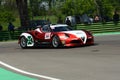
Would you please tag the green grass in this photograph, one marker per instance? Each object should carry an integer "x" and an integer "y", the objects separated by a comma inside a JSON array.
[{"x": 53, "y": 19}]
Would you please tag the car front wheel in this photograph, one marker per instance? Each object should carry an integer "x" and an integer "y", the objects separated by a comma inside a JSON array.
[{"x": 55, "y": 42}]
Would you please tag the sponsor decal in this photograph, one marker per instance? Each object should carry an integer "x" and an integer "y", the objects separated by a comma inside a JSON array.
[
  {"x": 47, "y": 35},
  {"x": 29, "y": 40}
]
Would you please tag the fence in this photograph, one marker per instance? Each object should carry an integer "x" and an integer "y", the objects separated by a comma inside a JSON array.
[
  {"x": 5, "y": 35},
  {"x": 100, "y": 28}
]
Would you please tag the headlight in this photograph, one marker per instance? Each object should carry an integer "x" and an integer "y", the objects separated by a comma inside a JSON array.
[{"x": 65, "y": 36}]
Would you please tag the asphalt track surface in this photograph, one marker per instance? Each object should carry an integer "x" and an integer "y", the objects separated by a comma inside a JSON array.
[{"x": 98, "y": 62}]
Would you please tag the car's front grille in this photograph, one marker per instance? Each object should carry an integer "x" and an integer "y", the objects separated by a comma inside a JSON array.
[
  {"x": 89, "y": 40},
  {"x": 83, "y": 39}
]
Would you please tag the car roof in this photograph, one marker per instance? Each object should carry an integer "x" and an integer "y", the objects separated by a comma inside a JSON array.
[{"x": 57, "y": 25}]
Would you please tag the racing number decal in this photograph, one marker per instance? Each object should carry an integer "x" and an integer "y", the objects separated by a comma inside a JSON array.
[
  {"x": 47, "y": 35},
  {"x": 29, "y": 40}
]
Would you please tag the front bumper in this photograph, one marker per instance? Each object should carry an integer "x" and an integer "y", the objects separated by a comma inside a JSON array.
[{"x": 77, "y": 42}]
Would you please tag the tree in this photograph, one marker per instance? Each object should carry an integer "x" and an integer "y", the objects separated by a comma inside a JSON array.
[
  {"x": 6, "y": 11},
  {"x": 35, "y": 7},
  {"x": 77, "y": 7},
  {"x": 23, "y": 12}
]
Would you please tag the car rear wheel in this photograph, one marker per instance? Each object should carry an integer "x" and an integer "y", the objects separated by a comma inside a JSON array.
[
  {"x": 55, "y": 42},
  {"x": 23, "y": 42}
]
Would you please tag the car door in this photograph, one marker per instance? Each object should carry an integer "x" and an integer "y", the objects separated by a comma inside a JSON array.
[{"x": 46, "y": 33}]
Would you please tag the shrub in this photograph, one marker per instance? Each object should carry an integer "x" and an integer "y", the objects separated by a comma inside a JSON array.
[{"x": 6, "y": 16}]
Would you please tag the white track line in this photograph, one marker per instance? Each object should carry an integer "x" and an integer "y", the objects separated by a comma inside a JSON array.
[{"x": 28, "y": 73}]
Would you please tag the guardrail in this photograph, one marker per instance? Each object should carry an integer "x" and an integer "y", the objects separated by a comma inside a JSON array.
[
  {"x": 6, "y": 35},
  {"x": 100, "y": 28},
  {"x": 94, "y": 28}
]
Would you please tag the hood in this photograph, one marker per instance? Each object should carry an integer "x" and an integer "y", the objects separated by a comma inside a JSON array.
[{"x": 78, "y": 33}]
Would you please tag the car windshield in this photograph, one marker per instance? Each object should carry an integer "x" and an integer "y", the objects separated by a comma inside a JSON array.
[{"x": 61, "y": 28}]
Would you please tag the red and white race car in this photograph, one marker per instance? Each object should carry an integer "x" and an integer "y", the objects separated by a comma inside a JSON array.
[{"x": 56, "y": 36}]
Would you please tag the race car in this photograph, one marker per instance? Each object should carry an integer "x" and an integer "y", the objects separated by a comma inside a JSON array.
[{"x": 57, "y": 35}]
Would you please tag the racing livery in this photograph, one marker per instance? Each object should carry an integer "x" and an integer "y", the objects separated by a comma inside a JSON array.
[{"x": 56, "y": 36}]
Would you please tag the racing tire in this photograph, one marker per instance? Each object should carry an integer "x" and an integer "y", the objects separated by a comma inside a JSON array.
[
  {"x": 55, "y": 42},
  {"x": 23, "y": 42}
]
